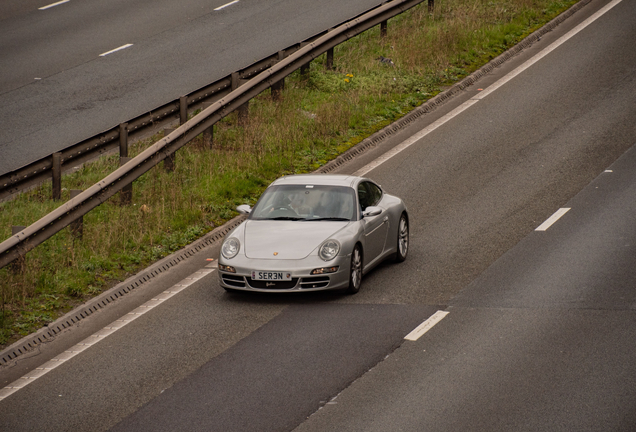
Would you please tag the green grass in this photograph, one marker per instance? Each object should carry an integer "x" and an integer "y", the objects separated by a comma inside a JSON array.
[{"x": 319, "y": 117}]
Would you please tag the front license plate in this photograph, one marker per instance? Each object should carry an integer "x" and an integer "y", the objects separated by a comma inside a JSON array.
[{"x": 271, "y": 275}]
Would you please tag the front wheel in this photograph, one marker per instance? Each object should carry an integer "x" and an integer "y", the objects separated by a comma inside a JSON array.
[
  {"x": 402, "y": 239},
  {"x": 355, "y": 271}
]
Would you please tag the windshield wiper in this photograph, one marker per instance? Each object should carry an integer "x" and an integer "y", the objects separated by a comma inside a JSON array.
[
  {"x": 330, "y": 219},
  {"x": 286, "y": 218}
]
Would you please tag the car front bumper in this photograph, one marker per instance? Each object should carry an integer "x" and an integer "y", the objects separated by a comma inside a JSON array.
[{"x": 301, "y": 277}]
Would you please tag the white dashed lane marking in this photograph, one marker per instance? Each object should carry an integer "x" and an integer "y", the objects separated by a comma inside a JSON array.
[
  {"x": 123, "y": 47},
  {"x": 226, "y": 5},
  {"x": 420, "y": 330},
  {"x": 53, "y": 5},
  {"x": 552, "y": 219}
]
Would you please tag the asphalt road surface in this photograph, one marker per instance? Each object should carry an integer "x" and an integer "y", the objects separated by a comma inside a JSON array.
[
  {"x": 540, "y": 330},
  {"x": 542, "y": 340},
  {"x": 57, "y": 87}
]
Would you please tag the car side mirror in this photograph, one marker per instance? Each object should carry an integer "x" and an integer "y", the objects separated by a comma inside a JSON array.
[
  {"x": 371, "y": 211},
  {"x": 244, "y": 209}
]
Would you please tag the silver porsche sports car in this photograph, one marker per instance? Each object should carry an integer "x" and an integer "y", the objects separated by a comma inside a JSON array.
[{"x": 314, "y": 232}]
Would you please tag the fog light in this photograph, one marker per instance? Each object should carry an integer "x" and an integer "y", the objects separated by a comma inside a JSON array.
[
  {"x": 324, "y": 270},
  {"x": 228, "y": 269}
]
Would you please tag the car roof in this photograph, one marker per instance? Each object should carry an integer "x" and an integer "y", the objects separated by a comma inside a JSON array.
[{"x": 318, "y": 179}]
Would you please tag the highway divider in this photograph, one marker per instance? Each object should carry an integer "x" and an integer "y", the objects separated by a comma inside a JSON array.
[{"x": 271, "y": 74}]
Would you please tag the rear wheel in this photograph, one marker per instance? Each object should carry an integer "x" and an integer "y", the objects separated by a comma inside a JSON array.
[
  {"x": 355, "y": 271},
  {"x": 402, "y": 239}
]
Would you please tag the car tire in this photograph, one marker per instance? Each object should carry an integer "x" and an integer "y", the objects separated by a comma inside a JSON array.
[
  {"x": 355, "y": 271},
  {"x": 402, "y": 239}
]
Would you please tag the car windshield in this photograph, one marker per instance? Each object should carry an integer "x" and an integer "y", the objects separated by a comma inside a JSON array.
[{"x": 305, "y": 203}]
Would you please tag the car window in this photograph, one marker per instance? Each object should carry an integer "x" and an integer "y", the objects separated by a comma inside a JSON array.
[
  {"x": 369, "y": 194},
  {"x": 363, "y": 196},
  {"x": 305, "y": 203},
  {"x": 376, "y": 193}
]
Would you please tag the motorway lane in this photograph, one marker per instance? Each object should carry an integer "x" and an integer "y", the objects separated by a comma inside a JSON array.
[
  {"x": 56, "y": 90},
  {"x": 218, "y": 347},
  {"x": 587, "y": 261},
  {"x": 275, "y": 378},
  {"x": 42, "y": 43},
  {"x": 544, "y": 339},
  {"x": 473, "y": 192},
  {"x": 479, "y": 184},
  {"x": 117, "y": 376},
  {"x": 15, "y": 8}
]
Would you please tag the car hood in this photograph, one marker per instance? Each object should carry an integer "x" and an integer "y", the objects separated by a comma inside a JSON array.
[{"x": 286, "y": 239}]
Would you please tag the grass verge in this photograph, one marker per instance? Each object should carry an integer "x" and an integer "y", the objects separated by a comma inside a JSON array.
[{"x": 320, "y": 116}]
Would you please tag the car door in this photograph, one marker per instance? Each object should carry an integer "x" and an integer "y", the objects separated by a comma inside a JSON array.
[{"x": 376, "y": 227}]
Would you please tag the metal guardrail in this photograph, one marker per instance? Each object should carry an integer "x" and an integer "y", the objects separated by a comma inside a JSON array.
[
  {"x": 18, "y": 245},
  {"x": 41, "y": 170}
]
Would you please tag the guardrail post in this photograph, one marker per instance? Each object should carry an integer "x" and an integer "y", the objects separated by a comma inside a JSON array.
[
  {"x": 208, "y": 138},
  {"x": 123, "y": 140},
  {"x": 183, "y": 110},
  {"x": 17, "y": 266},
  {"x": 243, "y": 110},
  {"x": 243, "y": 114},
  {"x": 329, "y": 64},
  {"x": 125, "y": 195},
  {"x": 77, "y": 226},
  {"x": 208, "y": 134},
  {"x": 56, "y": 175},
  {"x": 168, "y": 162},
  {"x": 278, "y": 87},
  {"x": 235, "y": 80},
  {"x": 304, "y": 69},
  {"x": 383, "y": 28},
  {"x": 431, "y": 6}
]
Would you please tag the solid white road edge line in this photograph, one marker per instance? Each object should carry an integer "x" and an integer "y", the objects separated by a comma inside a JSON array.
[
  {"x": 116, "y": 49},
  {"x": 226, "y": 5},
  {"x": 53, "y": 4},
  {"x": 419, "y": 331},
  {"x": 481, "y": 95},
  {"x": 414, "y": 138},
  {"x": 106, "y": 331},
  {"x": 552, "y": 219},
  {"x": 547, "y": 50}
]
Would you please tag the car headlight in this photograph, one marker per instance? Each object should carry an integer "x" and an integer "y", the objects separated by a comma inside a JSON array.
[
  {"x": 329, "y": 250},
  {"x": 230, "y": 247}
]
